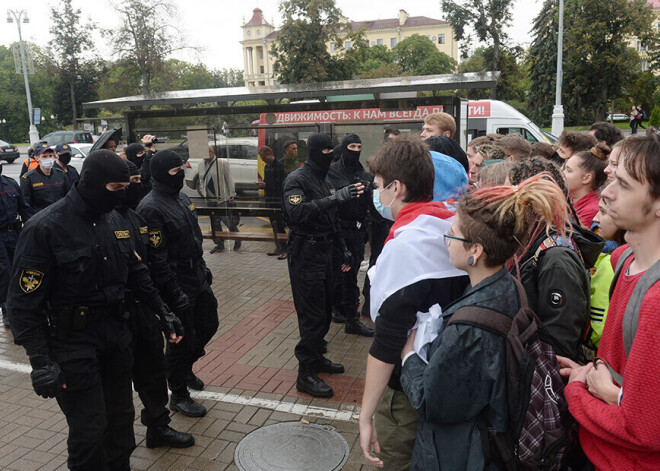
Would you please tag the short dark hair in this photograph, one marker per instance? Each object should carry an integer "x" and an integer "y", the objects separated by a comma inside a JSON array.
[
  {"x": 640, "y": 159},
  {"x": 480, "y": 141},
  {"x": 389, "y": 131},
  {"x": 265, "y": 150},
  {"x": 516, "y": 145},
  {"x": 606, "y": 132},
  {"x": 542, "y": 149},
  {"x": 524, "y": 169},
  {"x": 406, "y": 159},
  {"x": 289, "y": 142},
  {"x": 577, "y": 140}
]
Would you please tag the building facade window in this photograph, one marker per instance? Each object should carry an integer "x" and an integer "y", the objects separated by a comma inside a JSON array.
[
  {"x": 347, "y": 45},
  {"x": 261, "y": 53},
  {"x": 249, "y": 33},
  {"x": 379, "y": 42},
  {"x": 261, "y": 69},
  {"x": 645, "y": 65},
  {"x": 441, "y": 38},
  {"x": 392, "y": 42},
  {"x": 333, "y": 48},
  {"x": 258, "y": 32}
]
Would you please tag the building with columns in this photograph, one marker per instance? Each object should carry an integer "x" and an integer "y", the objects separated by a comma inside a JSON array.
[{"x": 258, "y": 36}]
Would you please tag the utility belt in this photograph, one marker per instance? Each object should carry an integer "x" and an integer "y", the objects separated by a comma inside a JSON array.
[
  {"x": 77, "y": 318},
  {"x": 11, "y": 227},
  {"x": 352, "y": 225},
  {"x": 319, "y": 242},
  {"x": 191, "y": 264}
]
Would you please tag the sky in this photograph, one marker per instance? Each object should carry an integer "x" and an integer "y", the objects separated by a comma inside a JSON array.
[{"x": 214, "y": 26}]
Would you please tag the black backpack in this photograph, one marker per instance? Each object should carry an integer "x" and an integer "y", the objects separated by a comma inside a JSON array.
[{"x": 541, "y": 434}]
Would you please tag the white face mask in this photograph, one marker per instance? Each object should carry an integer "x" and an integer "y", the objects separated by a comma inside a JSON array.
[{"x": 47, "y": 163}]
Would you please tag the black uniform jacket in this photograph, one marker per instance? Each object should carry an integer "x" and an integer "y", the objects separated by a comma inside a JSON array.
[
  {"x": 41, "y": 190},
  {"x": 67, "y": 256},
  {"x": 355, "y": 210},
  {"x": 175, "y": 242}
]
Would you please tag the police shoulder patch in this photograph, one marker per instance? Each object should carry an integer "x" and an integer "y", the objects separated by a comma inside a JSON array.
[
  {"x": 144, "y": 230},
  {"x": 155, "y": 238},
  {"x": 30, "y": 280},
  {"x": 122, "y": 234},
  {"x": 191, "y": 206},
  {"x": 295, "y": 199}
]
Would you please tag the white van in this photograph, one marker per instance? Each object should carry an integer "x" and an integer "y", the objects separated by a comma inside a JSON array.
[{"x": 493, "y": 116}]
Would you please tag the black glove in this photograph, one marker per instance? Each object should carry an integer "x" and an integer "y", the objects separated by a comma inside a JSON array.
[
  {"x": 179, "y": 301},
  {"x": 47, "y": 378},
  {"x": 347, "y": 193},
  {"x": 348, "y": 257},
  {"x": 209, "y": 275},
  {"x": 169, "y": 322}
]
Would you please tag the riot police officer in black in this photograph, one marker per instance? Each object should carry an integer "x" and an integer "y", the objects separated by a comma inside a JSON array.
[
  {"x": 310, "y": 209},
  {"x": 179, "y": 271},
  {"x": 74, "y": 261},
  {"x": 353, "y": 215},
  {"x": 149, "y": 378}
]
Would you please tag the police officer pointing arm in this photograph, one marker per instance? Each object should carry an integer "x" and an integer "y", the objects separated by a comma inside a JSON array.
[{"x": 310, "y": 209}]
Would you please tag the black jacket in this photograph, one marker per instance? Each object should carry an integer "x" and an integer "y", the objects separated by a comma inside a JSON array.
[
  {"x": 355, "y": 210},
  {"x": 557, "y": 284},
  {"x": 175, "y": 242},
  {"x": 274, "y": 175},
  {"x": 67, "y": 256},
  {"x": 41, "y": 190},
  {"x": 307, "y": 208}
]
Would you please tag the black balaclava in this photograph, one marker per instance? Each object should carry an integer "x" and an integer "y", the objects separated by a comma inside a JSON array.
[
  {"x": 64, "y": 158},
  {"x": 448, "y": 146},
  {"x": 336, "y": 153},
  {"x": 315, "y": 145},
  {"x": 135, "y": 191},
  {"x": 100, "y": 168},
  {"x": 132, "y": 150},
  {"x": 351, "y": 158},
  {"x": 161, "y": 163}
]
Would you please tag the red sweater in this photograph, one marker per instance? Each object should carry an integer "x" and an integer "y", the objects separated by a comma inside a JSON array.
[
  {"x": 625, "y": 437},
  {"x": 586, "y": 208}
]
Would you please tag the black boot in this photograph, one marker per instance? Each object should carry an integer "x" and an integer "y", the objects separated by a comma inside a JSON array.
[
  {"x": 187, "y": 406},
  {"x": 193, "y": 382},
  {"x": 331, "y": 368},
  {"x": 354, "y": 326},
  {"x": 338, "y": 316},
  {"x": 164, "y": 435},
  {"x": 324, "y": 346},
  {"x": 311, "y": 384}
]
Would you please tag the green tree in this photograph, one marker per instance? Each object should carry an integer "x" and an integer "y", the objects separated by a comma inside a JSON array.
[
  {"x": 542, "y": 61},
  {"x": 417, "y": 55},
  {"x": 71, "y": 39},
  {"x": 301, "y": 48},
  {"x": 486, "y": 18},
  {"x": 654, "y": 120},
  {"x": 513, "y": 83},
  {"x": 227, "y": 78},
  {"x": 146, "y": 37}
]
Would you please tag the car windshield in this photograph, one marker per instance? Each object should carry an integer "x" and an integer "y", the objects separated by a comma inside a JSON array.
[{"x": 3, "y": 144}]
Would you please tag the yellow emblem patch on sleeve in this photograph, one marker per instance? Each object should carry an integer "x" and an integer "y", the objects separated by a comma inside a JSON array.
[
  {"x": 155, "y": 238},
  {"x": 30, "y": 280},
  {"x": 191, "y": 206},
  {"x": 295, "y": 199},
  {"x": 144, "y": 229},
  {"x": 35, "y": 185},
  {"x": 122, "y": 234}
]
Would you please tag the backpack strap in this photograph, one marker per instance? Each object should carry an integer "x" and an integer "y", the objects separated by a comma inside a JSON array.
[
  {"x": 484, "y": 318},
  {"x": 619, "y": 266},
  {"x": 631, "y": 316}
]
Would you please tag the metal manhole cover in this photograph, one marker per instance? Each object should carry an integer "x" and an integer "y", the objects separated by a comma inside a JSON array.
[{"x": 292, "y": 446}]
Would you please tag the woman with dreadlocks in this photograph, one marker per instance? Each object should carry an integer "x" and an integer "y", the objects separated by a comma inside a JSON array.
[
  {"x": 466, "y": 372},
  {"x": 553, "y": 267}
]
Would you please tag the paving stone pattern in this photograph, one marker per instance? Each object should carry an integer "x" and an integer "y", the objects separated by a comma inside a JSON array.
[{"x": 251, "y": 356}]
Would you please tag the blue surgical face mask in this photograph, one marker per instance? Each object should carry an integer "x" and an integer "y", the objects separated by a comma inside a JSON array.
[{"x": 385, "y": 211}]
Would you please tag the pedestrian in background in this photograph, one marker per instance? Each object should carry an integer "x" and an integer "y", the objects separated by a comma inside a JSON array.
[
  {"x": 63, "y": 154},
  {"x": 273, "y": 183}
]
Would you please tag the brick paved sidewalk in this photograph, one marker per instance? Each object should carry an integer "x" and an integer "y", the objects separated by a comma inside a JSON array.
[{"x": 249, "y": 369}]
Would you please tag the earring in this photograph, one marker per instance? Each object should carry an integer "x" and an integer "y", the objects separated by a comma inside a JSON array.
[{"x": 470, "y": 261}]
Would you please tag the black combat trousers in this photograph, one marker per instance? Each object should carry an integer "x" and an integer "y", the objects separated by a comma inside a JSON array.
[
  {"x": 200, "y": 325},
  {"x": 310, "y": 272},
  {"x": 346, "y": 292},
  {"x": 149, "y": 377},
  {"x": 98, "y": 399},
  {"x": 379, "y": 233}
]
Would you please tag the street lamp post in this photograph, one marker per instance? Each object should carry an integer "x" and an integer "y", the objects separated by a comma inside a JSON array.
[
  {"x": 21, "y": 15},
  {"x": 4, "y": 122},
  {"x": 558, "y": 111}
]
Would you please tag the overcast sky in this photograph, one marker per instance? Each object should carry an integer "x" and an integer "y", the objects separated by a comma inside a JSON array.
[{"x": 214, "y": 26}]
